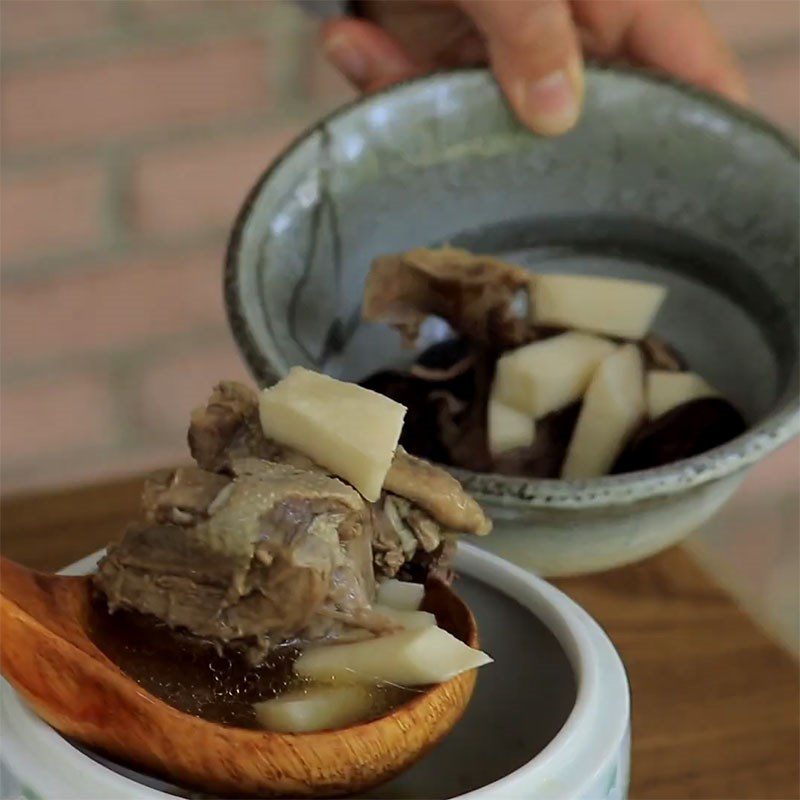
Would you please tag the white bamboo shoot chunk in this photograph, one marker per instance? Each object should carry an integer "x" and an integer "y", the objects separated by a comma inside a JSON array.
[
  {"x": 402, "y": 595},
  {"x": 316, "y": 708},
  {"x": 508, "y": 428},
  {"x": 547, "y": 375},
  {"x": 612, "y": 306},
  {"x": 612, "y": 408},
  {"x": 350, "y": 430},
  {"x": 410, "y": 620},
  {"x": 665, "y": 390},
  {"x": 409, "y": 658}
]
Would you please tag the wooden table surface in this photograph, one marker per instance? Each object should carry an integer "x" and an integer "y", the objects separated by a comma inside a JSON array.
[{"x": 715, "y": 703}]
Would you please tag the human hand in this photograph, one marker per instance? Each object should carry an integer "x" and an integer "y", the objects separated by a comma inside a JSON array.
[{"x": 535, "y": 47}]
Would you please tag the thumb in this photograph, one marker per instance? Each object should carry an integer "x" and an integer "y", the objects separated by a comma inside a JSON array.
[{"x": 535, "y": 53}]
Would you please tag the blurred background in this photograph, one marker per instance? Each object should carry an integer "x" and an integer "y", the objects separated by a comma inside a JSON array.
[{"x": 131, "y": 131}]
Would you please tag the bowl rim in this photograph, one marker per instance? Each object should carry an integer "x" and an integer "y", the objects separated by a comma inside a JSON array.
[
  {"x": 582, "y": 639},
  {"x": 780, "y": 426}
]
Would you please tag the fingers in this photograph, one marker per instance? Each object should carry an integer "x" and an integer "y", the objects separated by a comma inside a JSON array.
[
  {"x": 671, "y": 35},
  {"x": 535, "y": 49},
  {"x": 430, "y": 32},
  {"x": 367, "y": 56},
  {"x": 535, "y": 53}
]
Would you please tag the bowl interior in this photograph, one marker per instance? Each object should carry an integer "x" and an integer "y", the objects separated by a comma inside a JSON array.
[{"x": 658, "y": 182}]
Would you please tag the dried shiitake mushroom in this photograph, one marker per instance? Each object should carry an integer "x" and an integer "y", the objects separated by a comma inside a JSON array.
[{"x": 685, "y": 431}]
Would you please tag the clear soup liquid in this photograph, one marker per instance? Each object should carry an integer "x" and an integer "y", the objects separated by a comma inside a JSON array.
[{"x": 190, "y": 675}]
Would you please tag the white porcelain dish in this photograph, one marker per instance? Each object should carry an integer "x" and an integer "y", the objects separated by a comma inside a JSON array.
[{"x": 549, "y": 719}]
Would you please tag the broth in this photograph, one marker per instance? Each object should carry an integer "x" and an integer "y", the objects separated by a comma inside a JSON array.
[{"x": 192, "y": 676}]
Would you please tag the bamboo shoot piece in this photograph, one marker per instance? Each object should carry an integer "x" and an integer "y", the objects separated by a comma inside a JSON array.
[
  {"x": 409, "y": 658},
  {"x": 549, "y": 374},
  {"x": 612, "y": 408},
  {"x": 316, "y": 708},
  {"x": 402, "y": 595},
  {"x": 409, "y": 620},
  {"x": 611, "y": 306},
  {"x": 350, "y": 430},
  {"x": 666, "y": 390},
  {"x": 508, "y": 428}
]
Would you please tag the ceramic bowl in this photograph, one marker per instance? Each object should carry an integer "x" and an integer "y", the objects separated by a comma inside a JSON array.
[
  {"x": 658, "y": 181},
  {"x": 549, "y": 718}
]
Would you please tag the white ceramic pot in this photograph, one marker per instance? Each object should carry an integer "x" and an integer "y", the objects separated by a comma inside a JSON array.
[{"x": 549, "y": 719}]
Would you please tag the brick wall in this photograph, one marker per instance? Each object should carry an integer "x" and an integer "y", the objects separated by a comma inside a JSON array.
[{"x": 130, "y": 133}]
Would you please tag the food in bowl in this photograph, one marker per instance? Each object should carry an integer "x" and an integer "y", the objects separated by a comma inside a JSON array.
[
  {"x": 279, "y": 582},
  {"x": 550, "y": 376}
]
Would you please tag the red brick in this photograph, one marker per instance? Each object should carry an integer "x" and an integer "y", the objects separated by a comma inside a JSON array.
[
  {"x": 34, "y": 22},
  {"x": 44, "y": 416},
  {"x": 121, "y": 307},
  {"x": 753, "y": 24},
  {"x": 775, "y": 88},
  {"x": 179, "y": 189},
  {"x": 171, "y": 388},
  {"x": 50, "y": 209},
  {"x": 86, "y": 101}
]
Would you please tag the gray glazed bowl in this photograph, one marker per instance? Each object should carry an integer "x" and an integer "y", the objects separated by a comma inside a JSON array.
[{"x": 658, "y": 181}]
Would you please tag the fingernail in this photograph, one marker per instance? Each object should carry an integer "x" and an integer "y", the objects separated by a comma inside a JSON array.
[
  {"x": 552, "y": 103},
  {"x": 348, "y": 59}
]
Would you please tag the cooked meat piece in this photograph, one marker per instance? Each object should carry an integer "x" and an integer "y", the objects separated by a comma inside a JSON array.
[
  {"x": 268, "y": 565},
  {"x": 388, "y": 553},
  {"x": 400, "y": 529},
  {"x": 181, "y": 496},
  {"x": 476, "y": 294},
  {"x": 437, "y": 492},
  {"x": 227, "y": 427},
  {"x": 428, "y": 533},
  {"x": 414, "y": 527},
  {"x": 428, "y": 486},
  {"x": 396, "y": 511},
  {"x": 438, "y": 564},
  {"x": 422, "y": 498}
]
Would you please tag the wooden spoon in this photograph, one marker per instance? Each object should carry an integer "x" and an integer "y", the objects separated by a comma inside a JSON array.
[{"x": 47, "y": 655}]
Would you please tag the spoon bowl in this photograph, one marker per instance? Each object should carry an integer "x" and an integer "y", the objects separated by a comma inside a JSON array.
[{"x": 46, "y": 653}]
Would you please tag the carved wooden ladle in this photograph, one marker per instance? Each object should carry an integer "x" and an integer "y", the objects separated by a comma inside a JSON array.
[{"x": 47, "y": 655}]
